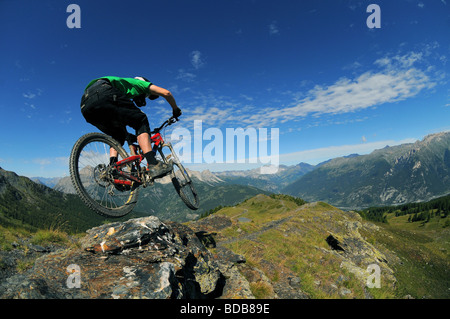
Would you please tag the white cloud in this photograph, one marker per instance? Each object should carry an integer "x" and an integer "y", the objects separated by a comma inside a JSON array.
[
  {"x": 29, "y": 95},
  {"x": 211, "y": 116},
  {"x": 30, "y": 105},
  {"x": 400, "y": 61},
  {"x": 352, "y": 66},
  {"x": 396, "y": 82},
  {"x": 196, "y": 59},
  {"x": 59, "y": 161},
  {"x": 42, "y": 161},
  {"x": 246, "y": 97},
  {"x": 185, "y": 76},
  {"x": 273, "y": 28}
]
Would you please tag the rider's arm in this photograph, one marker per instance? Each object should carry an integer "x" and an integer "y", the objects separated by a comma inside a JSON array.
[{"x": 156, "y": 90}]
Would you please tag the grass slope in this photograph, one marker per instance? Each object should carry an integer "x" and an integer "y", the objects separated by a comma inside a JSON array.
[
  {"x": 423, "y": 269},
  {"x": 285, "y": 239}
]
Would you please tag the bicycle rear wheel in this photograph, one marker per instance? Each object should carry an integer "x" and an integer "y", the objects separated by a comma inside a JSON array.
[
  {"x": 184, "y": 186},
  {"x": 93, "y": 179}
]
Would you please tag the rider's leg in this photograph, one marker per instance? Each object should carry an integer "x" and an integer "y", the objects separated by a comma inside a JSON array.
[
  {"x": 118, "y": 133},
  {"x": 113, "y": 156},
  {"x": 146, "y": 146},
  {"x": 144, "y": 142},
  {"x": 155, "y": 167}
]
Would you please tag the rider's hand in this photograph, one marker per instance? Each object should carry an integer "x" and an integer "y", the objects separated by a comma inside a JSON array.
[{"x": 176, "y": 112}]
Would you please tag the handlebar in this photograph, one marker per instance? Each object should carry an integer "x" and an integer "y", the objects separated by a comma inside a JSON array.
[
  {"x": 168, "y": 122},
  {"x": 131, "y": 138}
]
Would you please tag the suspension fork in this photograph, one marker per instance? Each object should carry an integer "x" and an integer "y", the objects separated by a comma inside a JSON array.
[{"x": 175, "y": 160}]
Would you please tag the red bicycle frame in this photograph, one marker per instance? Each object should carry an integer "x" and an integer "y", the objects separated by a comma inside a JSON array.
[{"x": 157, "y": 140}]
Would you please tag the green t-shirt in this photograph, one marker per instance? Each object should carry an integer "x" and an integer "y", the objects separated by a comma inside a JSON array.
[{"x": 129, "y": 86}]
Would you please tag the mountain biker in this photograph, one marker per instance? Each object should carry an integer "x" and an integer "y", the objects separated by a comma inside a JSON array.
[{"x": 111, "y": 103}]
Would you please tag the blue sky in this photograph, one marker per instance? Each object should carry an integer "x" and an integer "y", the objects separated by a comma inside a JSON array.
[{"x": 312, "y": 69}]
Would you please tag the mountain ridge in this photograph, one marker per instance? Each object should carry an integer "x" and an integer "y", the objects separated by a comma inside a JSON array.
[
  {"x": 394, "y": 175},
  {"x": 25, "y": 203}
]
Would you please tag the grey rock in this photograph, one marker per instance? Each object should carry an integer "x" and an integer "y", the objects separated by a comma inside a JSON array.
[{"x": 139, "y": 258}]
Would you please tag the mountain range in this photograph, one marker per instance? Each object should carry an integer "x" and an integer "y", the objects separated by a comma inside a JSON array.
[{"x": 393, "y": 175}]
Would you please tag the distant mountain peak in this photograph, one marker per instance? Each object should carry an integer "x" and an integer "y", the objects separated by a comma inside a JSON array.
[{"x": 435, "y": 137}]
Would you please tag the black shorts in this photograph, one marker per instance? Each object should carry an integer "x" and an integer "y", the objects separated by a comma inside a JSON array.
[{"x": 111, "y": 111}]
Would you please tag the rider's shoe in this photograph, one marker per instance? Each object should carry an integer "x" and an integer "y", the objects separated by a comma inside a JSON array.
[{"x": 159, "y": 169}]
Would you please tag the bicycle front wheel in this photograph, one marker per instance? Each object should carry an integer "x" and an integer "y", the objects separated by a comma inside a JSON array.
[
  {"x": 184, "y": 186},
  {"x": 92, "y": 177}
]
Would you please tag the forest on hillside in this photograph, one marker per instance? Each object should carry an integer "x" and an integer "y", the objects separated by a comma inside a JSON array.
[{"x": 439, "y": 207}]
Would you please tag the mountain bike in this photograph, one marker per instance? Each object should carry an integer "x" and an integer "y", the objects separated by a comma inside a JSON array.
[{"x": 112, "y": 190}]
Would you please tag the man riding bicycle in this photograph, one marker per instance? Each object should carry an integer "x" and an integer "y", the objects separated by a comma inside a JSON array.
[{"x": 111, "y": 103}]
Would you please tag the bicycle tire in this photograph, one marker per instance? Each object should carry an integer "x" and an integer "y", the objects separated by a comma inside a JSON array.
[
  {"x": 83, "y": 193},
  {"x": 187, "y": 192}
]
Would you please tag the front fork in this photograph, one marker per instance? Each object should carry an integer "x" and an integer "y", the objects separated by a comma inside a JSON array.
[{"x": 174, "y": 161}]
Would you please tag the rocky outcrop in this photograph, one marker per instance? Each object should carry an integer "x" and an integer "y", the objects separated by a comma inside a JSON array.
[{"x": 140, "y": 258}]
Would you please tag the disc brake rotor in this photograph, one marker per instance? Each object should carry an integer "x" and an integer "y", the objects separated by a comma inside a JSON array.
[{"x": 102, "y": 175}]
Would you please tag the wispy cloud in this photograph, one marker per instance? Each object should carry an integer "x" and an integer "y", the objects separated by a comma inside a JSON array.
[
  {"x": 30, "y": 105},
  {"x": 400, "y": 61},
  {"x": 59, "y": 161},
  {"x": 185, "y": 75},
  {"x": 196, "y": 59},
  {"x": 29, "y": 95},
  {"x": 397, "y": 81},
  {"x": 273, "y": 28}
]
